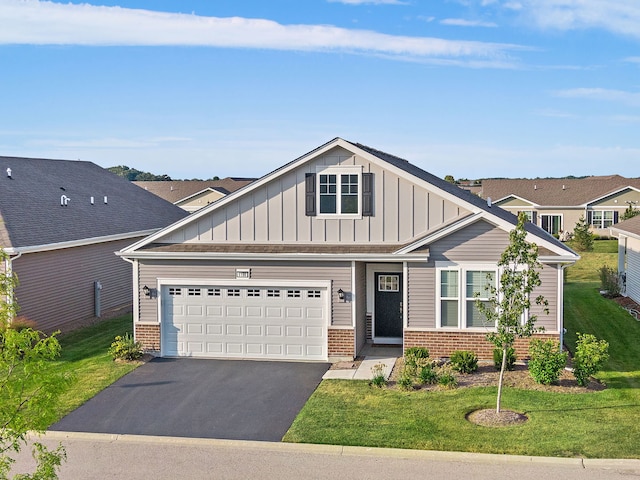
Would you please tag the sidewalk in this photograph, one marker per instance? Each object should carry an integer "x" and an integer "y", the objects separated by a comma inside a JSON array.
[{"x": 373, "y": 355}]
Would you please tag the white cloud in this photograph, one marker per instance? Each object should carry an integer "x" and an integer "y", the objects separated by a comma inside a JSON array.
[
  {"x": 604, "y": 94},
  {"x": 460, "y": 22},
  {"x": 617, "y": 16},
  {"x": 44, "y": 22}
]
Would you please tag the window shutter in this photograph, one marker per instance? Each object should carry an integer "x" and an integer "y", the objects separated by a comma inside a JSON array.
[
  {"x": 615, "y": 217},
  {"x": 310, "y": 194},
  {"x": 589, "y": 217},
  {"x": 534, "y": 218},
  {"x": 367, "y": 194}
]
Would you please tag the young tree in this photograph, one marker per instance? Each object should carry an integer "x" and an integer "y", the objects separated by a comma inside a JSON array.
[
  {"x": 509, "y": 304},
  {"x": 582, "y": 236},
  {"x": 29, "y": 385},
  {"x": 629, "y": 212}
]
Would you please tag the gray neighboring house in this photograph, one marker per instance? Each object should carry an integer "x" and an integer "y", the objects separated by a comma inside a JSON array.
[
  {"x": 344, "y": 246},
  {"x": 628, "y": 233},
  {"x": 60, "y": 223},
  {"x": 192, "y": 195},
  {"x": 556, "y": 204}
]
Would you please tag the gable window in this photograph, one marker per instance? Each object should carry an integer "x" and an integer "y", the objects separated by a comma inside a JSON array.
[
  {"x": 339, "y": 191},
  {"x": 457, "y": 299},
  {"x": 551, "y": 223}
]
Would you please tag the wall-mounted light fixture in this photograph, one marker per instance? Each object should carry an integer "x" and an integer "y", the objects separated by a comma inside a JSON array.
[
  {"x": 341, "y": 294},
  {"x": 147, "y": 291}
]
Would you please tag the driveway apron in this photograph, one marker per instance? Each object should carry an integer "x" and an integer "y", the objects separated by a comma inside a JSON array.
[{"x": 228, "y": 399}]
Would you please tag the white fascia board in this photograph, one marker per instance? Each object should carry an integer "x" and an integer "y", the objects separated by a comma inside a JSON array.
[
  {"x": 531, "y": 204},
  {"x": 232, "y": 196},
  {"x": 383, "y": 258},
  {"x": 624, "y": 233},
  {"x": 568, "y": 260},
  {"x": 615, "y": 192},
  {"x": 78, "y": 243},
  {"x": 454, "y": 227}
]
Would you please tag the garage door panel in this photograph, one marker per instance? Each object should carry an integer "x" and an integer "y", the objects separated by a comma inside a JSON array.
[{"x": 244, "y": 322}]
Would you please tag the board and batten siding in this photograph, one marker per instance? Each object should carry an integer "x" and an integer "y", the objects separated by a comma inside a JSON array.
[
  {"x": 339, "y": 273},
  {"x": 57, "y": 287},
  {"x": 274, "y": 212}
]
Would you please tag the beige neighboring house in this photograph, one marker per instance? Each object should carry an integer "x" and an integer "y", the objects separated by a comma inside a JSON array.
[
  {"x": 556, "y": 204},
  {"x": 192, "y": 195},
  {"x": 343, "y": 246},
  {"x": 628, "y": 233},
  {"x": 60, "y": 223}
]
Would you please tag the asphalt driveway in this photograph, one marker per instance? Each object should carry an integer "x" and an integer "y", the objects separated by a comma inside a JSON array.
[{"x": 229, "y": 399}]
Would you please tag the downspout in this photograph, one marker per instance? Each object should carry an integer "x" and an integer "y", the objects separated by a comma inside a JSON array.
[
  {"x": 136, "y": 298},
  {"x": 561, "y": 306}
]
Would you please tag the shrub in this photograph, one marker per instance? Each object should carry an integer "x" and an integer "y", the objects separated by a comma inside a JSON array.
[
  {"x": 511, "y": 358},
  {"x": 464, "y": 361},
  {"x": 609, "y": 281},
  {"x": 446, "y": 378},
  {"x": 125, "y": 348},
  {"x": 582, "y": 236},
  {"x": 428, "y": 375},
  {"x": 379, "y": 380},
  {"x": 589, "y": 358},
  {"x": 405, "y": 380},
  {"x": 416, "y": 358},
  {"x": 547, "y": 360}
]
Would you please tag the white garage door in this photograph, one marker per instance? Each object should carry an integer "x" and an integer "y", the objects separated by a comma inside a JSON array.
[{"x": 255, "y": 322}]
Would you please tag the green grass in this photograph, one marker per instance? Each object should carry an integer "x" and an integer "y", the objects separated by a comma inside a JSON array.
[
  {"x": 594, "y": 425},
  {"x": 84, "y": 355}
]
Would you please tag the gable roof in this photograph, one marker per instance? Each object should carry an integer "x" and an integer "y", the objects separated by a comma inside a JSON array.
[
  {"x": 32, "y": 214},
  {"x": 478, "y": 206},
  {"x": 629, "y": 227},
  {"x": 176, "y": 190},
  {"x": 565, "y": 192}
]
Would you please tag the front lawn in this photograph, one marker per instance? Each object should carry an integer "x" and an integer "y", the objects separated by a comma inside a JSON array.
[
  {"x": 594, "y": 425},
  {"x": 84, "y": 355}
]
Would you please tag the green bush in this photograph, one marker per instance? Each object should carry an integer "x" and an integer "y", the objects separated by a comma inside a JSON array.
[
  {"x": 428, "y": 375},
  {"x": 379, "y": 380},
  {"x": 446, "y": 378},
  {"x": 125, "y": 348},
  {"x": 511, "y": 358},
  {"x": 609, "y": 281},
  {"x": 547, "y": 360},
  {"x": 405, "y": 380},
  {"x": 464, "y": 361},
  {"x": 589, "y": 358},
  {"x": 416, "y": 358}
]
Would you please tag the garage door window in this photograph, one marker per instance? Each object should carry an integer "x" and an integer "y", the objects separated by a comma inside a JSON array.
[
  {"x": 293, "y": 293},
  {"x": 233, "y": 292},
  {"x": 313, "y": 294},
  {"x": 273, "y": 293},
  {"x": 213, "y": 292},
  {"x": 194, "y": 292},
  {"x": 253, "y": 292},
  {"x": 175, "y": 291}
]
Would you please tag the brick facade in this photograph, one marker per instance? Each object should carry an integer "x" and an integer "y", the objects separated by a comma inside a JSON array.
[
  {"x": 341, "y": 343},
  {"x": 442, "y": 344},
  {"x": 149, "y": 335}
]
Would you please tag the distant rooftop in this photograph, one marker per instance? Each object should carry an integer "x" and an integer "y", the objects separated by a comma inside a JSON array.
[{"x": 175, "y": 190}]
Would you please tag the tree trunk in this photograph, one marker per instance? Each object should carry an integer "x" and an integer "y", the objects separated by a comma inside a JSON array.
[{"x": 502, "y": 368}]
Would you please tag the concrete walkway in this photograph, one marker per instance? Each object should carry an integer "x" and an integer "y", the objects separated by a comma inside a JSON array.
[{"x": 384, "y": 356}]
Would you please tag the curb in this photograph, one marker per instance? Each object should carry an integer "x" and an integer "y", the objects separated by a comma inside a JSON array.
[{"x": 345, "y": 450}]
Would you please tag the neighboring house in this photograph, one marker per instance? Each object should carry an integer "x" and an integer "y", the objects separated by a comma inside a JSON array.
[
  {"x": 343, "y": 246},
  {"x": 628, "y": 233},
  {"x": 61, "y": 223},
  {"x": 192, "y": 195},
  {"x": 556, "y": 204}
]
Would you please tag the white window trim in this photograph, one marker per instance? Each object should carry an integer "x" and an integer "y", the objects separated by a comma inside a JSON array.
[
  {"x": 601, "y": 225},
  {"x": 541, "y": 215},
  {"x": 339, "y": 170},
  {"x": 462, "y": 296}
]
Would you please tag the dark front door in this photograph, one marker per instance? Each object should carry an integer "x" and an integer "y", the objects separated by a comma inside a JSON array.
[{"x": 388, "y": 305}]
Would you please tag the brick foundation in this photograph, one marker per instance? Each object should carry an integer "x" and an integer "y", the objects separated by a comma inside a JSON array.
[
  {"x": 341, "y": 343},
  {"x": 442, "y": 344},
  {"x": 149, "y": 335}
]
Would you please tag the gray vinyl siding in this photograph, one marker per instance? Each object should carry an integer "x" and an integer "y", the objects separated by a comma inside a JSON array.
[
  {"x": 57, "y": 287},
  {"x": 339, "y": 273},
  {"x": 422, "y": 293},
  {"x": 479, "y": 242},
  {"x": 632, "y": 268},
  {"x": 361, "y": 304},
  {"x": 274, "y": 212}
]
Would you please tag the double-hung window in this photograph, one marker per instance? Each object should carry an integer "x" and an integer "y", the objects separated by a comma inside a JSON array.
[
  {"x": 339, "y": 193},
  {"x": 602, "y": 218},
  {"x": 458, "y": 288}
]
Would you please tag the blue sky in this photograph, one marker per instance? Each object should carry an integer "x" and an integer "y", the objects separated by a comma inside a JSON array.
[{"x": 197, "y": 88}]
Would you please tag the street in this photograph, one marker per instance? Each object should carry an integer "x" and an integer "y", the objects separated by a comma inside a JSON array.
[{"x": 123, "y": 456}]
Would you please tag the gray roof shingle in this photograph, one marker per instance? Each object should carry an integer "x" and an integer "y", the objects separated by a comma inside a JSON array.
[
  {"x": 30, "y": 203},
  {"x": 176, "y": 190}
]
